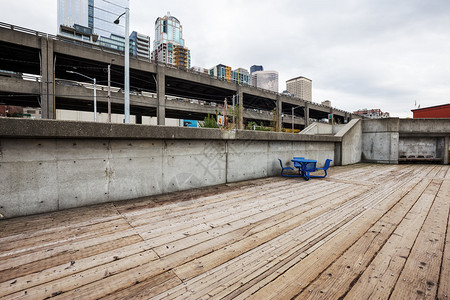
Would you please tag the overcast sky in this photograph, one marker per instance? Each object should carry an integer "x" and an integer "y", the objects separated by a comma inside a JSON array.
[{"x": 387, "y": 54}]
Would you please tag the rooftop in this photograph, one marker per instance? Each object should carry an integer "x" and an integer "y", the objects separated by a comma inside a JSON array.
[{"x": 365, "y": 231}]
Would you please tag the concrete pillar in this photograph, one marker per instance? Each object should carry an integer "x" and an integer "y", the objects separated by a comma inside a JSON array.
[
  {"x": 161, "y": 95},
  {"x": 446, "y": 150},
  {"x": 306, "y": 114},
  {"x": 279, "y": 111},
  {"x": 48, "y": 79},
  {"x": 241, "y": 108}
]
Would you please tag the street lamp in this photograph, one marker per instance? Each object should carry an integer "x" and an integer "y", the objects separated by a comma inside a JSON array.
[
  {"x": 95, "y": 91},
  {"x": 109, "y": 91},
  {"x": 127, "y": 63}
]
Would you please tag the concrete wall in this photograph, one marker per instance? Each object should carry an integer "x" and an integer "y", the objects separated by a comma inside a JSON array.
[
  {"x": 48, "y": 165},
  {"x": 322, "y": 128},
  {"x": 380, "y": 138},
  {"x": 436, "y": 127},
  {"x": 388, "y": 140},
  {"x": 351, "y": 145},
  {"x": 425, "y": 147}
]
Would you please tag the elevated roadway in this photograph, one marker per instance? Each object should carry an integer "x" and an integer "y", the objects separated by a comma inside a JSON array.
[{"x": 153, "y": 85}]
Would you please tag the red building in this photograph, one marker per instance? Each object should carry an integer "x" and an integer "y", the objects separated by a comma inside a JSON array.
[
  {"x": 10, "y": 110},
  {"x": 432, "y": 112}
]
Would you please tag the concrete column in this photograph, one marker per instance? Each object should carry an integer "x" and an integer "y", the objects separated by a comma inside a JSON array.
[
  {"x": 306, "y": 114},
  {"x": 446, "y": 150},
  {"x": 279, "y": 111},
  {"x": 161, "y": 94},
  {"x": 48, "y": 79},
  {"x": 241, "y": 108}
]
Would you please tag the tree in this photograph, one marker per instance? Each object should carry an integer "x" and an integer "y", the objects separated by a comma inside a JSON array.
[{"x": 209, "y": 122}]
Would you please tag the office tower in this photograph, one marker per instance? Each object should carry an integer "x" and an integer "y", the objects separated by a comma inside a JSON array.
[
  {"x": 168, "y": 46},
  {"x": 93, "y": 21},
  {"x": 300, "y": 87},
  {"x": 267, "y": 80},
  {"x": 224, "y": 72},
  {"x": 242, "y": 76},
  {"x": 255, "y": 68},
  {"x": 140, "y": 45}
]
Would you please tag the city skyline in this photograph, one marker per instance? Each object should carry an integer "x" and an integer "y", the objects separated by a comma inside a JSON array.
[{"x": 360, "y": 55}]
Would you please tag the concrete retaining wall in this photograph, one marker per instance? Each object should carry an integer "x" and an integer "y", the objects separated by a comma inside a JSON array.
[
  {"x": 351, "y": 145},
  {"x": 380, "y": 140},
  {"x": 391, "y": 140},
  {"x": 50, "y": 165}
]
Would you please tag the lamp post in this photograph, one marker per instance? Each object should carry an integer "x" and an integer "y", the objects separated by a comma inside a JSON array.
[
  {"x": 109, "y": 91},
  {"x": 95, "y": 91},
  {"x": 127, "y": 63}
]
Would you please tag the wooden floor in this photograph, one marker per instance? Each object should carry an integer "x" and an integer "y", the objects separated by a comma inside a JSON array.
[{"x": 364, "y": 232}]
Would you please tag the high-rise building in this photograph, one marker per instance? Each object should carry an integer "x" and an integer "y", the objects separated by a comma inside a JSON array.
[
  {"x": 255, "y": 68},
  {"x": 140, "y": 45},
  {"x": 168, "y": 46},
  {"x": 242, "y": 76},
  {"x": 300, "y": 87},
  {"x": 267, "y": 80},
  {"x": 92, "y": 17},
  {"x": 224, "y": 72}
]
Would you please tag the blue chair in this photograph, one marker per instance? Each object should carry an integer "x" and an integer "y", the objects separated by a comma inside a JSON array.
[
  {"x": 286, "y": 168},
  {"x": 325, "y": 168}
]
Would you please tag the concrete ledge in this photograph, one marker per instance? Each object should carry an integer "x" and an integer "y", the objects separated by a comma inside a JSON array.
[
  {"x": 417, "y": 127},
  {"x": 28, "y": 128}
]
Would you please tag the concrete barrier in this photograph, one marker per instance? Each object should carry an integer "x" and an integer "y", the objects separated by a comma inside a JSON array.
[
  {"x": 48, "y": 165},
  {"x": 407, "y": 140}
]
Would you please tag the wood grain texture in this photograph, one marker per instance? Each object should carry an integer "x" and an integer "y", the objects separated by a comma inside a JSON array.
[{"x": 365, "y": 231}]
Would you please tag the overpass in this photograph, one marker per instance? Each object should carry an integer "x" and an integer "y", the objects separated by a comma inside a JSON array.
[{"x": 156, "y": 89}]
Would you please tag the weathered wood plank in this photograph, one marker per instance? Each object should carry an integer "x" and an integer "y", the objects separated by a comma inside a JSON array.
[
  {"x": 11, "y": 262},
  {"x": 420, "y": 275},
  {"x": 444, "y": 282},
  {"x": 204, "y": 266},
  {"x": 310, "y": 267},
  {"x": 66, "y": 286},
  {"x": 336, "y": 280},
  {"x": 70, "y": 267},
  {"x": 257, "y": 239},
  {"x": 65, "y": 257},
  {"x": 381, "y": 275}
]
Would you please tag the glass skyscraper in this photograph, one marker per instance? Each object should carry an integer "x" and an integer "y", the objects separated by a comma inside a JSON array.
[
  {"x": 255, "y": 68},
  {"x": 97, "y": 15},
  {"x": 168, "y": 46},
  {"x": 267, "y": 80}
]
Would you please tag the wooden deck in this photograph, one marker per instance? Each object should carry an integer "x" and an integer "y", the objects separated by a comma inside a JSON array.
[{"x": 364, "y": 232}]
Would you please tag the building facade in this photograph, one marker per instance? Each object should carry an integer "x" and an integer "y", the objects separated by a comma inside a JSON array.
[
  {"x": 255, "y": 68},
  {"x": 374, "y": 113},
  {"x": 224, "y": 72},
  {"x": 267, "y": 80},
  {"x": 140, "y": 45},
  {"x": 97, "y": 15},
  {"x": 432, "y": 112},
  {"x": 300, "y": 87},
  {"x": 168, "y": 46}
]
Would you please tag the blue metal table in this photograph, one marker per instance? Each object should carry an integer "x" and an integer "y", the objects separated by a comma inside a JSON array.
[{"x": 305, "y": 166}]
